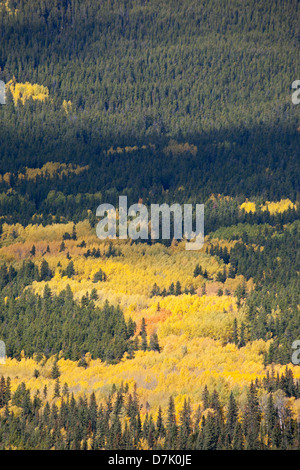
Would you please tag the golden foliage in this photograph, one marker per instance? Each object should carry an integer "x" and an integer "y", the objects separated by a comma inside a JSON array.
[
  {"x": 278, "y": 207},
  {"x": 248, "y": 206},
  {"x": 273, "y": 207},
  {"x": 157, "y": 375},
  {"x": 23, "y": 91},
  {"x": 127, "y": 149},
  {"x": 51, "y": 169},
  {"x": 48, "y": 170},
  {"x": 4, "y": 5},
  {"x": 193, "y": 331},
  {"x": 67, "y": 106},
  {"x": 176, "y": 148}
]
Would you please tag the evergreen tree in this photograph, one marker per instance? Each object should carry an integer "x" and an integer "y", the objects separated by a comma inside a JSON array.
[
  {"x": 154, "y": 345},
  {"x": 178, "y": 288},
  {"x": 57, "y": 388},
  {"x": 45, "y": 271},
  {"x": 185, "y": 426},
  {"x": 251, "y": 420},
  {"x": 160, "y": 425},
  {"x": 55, "y": 373},
  {"x": 235, "y": 338},
  {"x": 232, "y": 417},
  {"x": 171, "y": 426}
]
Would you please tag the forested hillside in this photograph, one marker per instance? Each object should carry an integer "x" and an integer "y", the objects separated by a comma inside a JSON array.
[
  {"x": 84, "y": 424},
  {"x": 142, "y": 344},
  {"x": 133, "y": 76}
]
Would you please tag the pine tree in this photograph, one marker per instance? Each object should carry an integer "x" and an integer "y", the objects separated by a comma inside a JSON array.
[
  {"x": 2, "y": 391},
  {"x": 210, "y": 435},
  {"x": 271, "y": 418},
  {"x": 155, "y": 290},
  {"x": 172, "y": 289},
  {"x": 185, "y": 425},
  {"x": 231, "y": 417},
  {"x": 235, "y": 338},
  {"x": 7, "y": 390},
  {"x": 65, "y": 390},
  {"x": 70, "y": 271},
  {"x": 62, "y": 246},
  {"x": 178, "y": 288},
  {"x": 143, "y": 334},
  {"x": 238, "y": 440},
  {"x": 242, "y": 341},
  {"x": 159, "y": 424},
  {"x": 198, "y": 270},
  {"x": 171, "y": 426},
  {"x": 218, "y": 417},
  {"x": 251, "y": 419},
  {"x": 74, "y": 235},
  {"x": 154, "y": 345},
  {"x": 55, "y": 373},
  {"x": 57, "y": 388},
  {"x": 45, "y": 271},
  {"x": 205, "y": 398}
]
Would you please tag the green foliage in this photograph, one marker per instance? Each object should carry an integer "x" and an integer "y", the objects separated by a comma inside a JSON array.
[
  {"x": 100, "y": 276},
  {"x": 253, "y": 425},
  {"x": 271, "y": 258},
  {"x": 56, "y": 323},
  {"x": 140, "y": 76},
  {"x": 13, "y": 281}
]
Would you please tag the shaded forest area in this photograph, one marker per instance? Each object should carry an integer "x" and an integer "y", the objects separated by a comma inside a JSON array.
[{"x": 141, "y": 73}]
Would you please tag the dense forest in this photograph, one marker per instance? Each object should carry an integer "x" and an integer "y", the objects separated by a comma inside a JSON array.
[
  {"x": 166, "y": 102},
  {"x": 85, "y": 424},
  {"x": 143, "y": 79},
  {"x": 54, "y": 324},
  {"x": 271, "y": 259}
]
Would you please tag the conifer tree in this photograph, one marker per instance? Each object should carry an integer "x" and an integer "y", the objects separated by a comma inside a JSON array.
[
  {"x": 235, "y": 338},
  {"x": 231, "y": 418},
  {"x": 205, "y": 398},
  {"x": 251, "y": 419},
  {"x": 55, "y": 373},
  {"x": 159, "y": 424},
  {"x": 178, "y": 288},
  {"x": 2, "y": 392},
  {"x": 185, "y": 425},
  {"x": 171, "y": 426},
  {"x": 154, "y": 345},
  {"x": 57, "y": 388}
]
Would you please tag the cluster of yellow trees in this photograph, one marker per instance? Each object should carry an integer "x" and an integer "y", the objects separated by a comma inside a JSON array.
[
  {"x": 67, "y": 106},
  {"x": 23, "y": 91},
  {"x": 273, "y": 207},
  {"x": 176, "y": 148},
  {"x": 182, "y": 369},
  {"x": 52, "y": 169},
  {"x": 193, "y": 329},
  {"x": 173, "y": 147},
  {"x": 5, "y": 5},
  {"x": 49, "y": 170},
  {"x": 127, "y": 149}
]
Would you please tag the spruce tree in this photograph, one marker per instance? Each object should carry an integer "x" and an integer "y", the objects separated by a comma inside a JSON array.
[
  {"x": 231, "y": 417},
  {"x": 55, "y": 373},
  {"x": 171, "y": 426}
]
